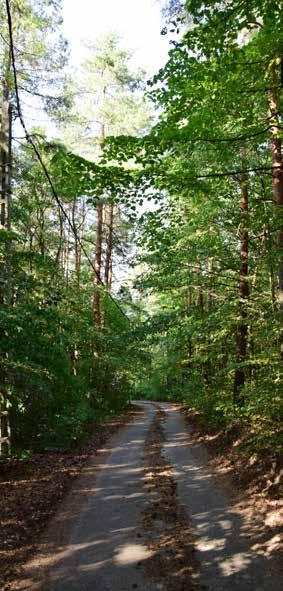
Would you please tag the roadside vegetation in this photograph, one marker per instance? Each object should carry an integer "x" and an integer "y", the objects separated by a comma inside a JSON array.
[{"x": 141, "y": 249}]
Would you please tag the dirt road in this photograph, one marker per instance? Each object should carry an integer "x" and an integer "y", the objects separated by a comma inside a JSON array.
[
  {"x": 96, "y": 541},
  {"x": 224, "y": 545}
]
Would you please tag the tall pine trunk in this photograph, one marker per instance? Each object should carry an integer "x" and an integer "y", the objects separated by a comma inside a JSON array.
[
  {"x": 242, "y": 328},
  {"x": 277, "y": 175},
  {"x": 97, "y": 280},
  {"x": 97, "y": 266},
  {"x": 76, "y": 242},
  {"x": 189, "y": 313},
  {"x": 78, "y": 225},
  {"x": 208, "y": 367},
  {"x": 109, "y": 249},
  {"x": 5, "y": 218}
]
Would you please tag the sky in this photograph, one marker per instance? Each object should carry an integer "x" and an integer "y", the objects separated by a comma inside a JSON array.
[{"x": 139, "y": 23}]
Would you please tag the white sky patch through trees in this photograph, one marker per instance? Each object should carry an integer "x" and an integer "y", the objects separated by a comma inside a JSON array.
[{"x": 138, "y": 22}]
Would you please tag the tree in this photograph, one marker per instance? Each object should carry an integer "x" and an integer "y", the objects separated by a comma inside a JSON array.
[
  {"x": 110, "y": 103},
  {"x": 209, "y": 153},
  {"x": 191, "y": 199},
  {"x": 30, "y": 27}
]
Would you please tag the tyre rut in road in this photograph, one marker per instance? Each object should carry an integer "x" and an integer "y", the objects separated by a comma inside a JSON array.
[{"x": 170, "y": 538}]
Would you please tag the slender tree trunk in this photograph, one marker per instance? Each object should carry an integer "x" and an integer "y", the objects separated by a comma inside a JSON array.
[
  {"x": 77, "y": 246},
  {"x": 5, "y": 218},
  {"x": 199, "y": 296},
  {"x": 41, "y": 234},
  {"x": 30, "y": 247},
  {"x": 5, "y": 147},
  {"x": 98, "y": 255},
  {"x": 209, "y": 297},
  {"x": 97, "y": 266},
  {"x": 254, "y": 278},
  {"x": 272, "y": 279},
  {"x": 200, "y": 302},
  {"x": 208, "y": 368},
  {"x": 79, "y": 227},
  {"x": 64, "y": 249},
  {"x": 272, "y": 286},
  {"x": 59, "y": 256},
  {"x": 188, "y": 311},
  {"x": 277, "y": 176},
  {"x": 68, "y": 247},
  {"x": 109, "y": 249},
  {"x": 78, "y": 243},
  {"x": 242, "y": 329}
]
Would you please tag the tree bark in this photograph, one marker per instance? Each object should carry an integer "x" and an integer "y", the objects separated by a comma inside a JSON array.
[
  {"x": 97, "y": 266},
  {"x": 109, "y": 249},
  {"x": 199, "y": 296},
  {"x": 277, "y": 176},
  {"x": 5, "y": 141},
  {"x": 77, "y": 243},
  {"x": 208, "y": 367},
  {"x": 5, "y": 218},
  {"x": 98, "y": 254},
  {"x": 209, "y": 297},
  {"x": 59, "y": 256},
  {"x": 78, "y": 261},
  {"x": 188, "y": 312},
  {"x": 67, "y": 248},
  {"x": 242, "y": 329},
  {"x": 78, "y": 225},
  {"x": 41, "y": 231}
]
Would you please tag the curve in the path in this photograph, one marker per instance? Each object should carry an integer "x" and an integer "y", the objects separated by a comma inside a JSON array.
[{"x": 227, "y": 560}]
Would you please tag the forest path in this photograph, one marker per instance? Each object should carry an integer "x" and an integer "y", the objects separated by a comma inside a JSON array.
[
  {"x": 224, "y": 541},
  {"x": 96, "y": 541}
]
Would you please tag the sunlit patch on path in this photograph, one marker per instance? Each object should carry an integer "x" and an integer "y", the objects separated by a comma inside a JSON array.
[
  {"x": 101, "y": 547},
  {"x": 227, "y": 560}
]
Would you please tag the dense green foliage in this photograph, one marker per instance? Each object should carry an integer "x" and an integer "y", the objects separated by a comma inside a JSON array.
[
  {"x": 59, "y": 370},
  {"x": 199, "y": 196},
  {"x": 210, "y": 250}
]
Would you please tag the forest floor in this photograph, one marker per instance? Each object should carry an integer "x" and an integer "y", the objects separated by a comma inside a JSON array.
[
  {"x": 163, "y": 505},
  {"x": 32, "y": 489}
]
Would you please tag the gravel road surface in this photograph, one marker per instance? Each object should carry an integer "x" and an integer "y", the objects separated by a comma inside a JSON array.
[
  {"x": 223, "y": 545},
  {"x": 95, "y": 542}
]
